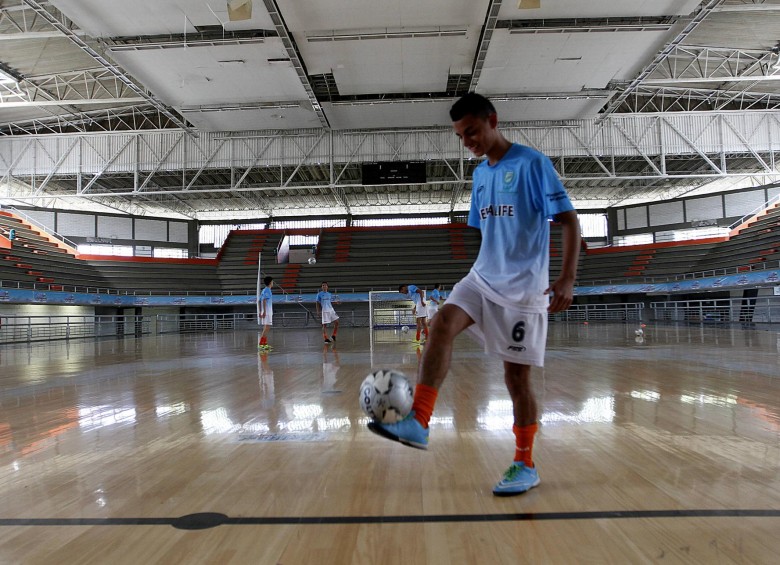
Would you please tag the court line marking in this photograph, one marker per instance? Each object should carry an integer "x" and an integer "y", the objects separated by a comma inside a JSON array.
[{"x": 205, "y": 520}]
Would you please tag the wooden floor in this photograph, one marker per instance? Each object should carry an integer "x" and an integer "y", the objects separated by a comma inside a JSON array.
[{"x": 195, "y": 449}]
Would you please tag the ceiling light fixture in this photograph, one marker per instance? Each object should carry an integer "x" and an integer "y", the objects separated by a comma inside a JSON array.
[
  {"x": 239, "y": 10},
  {"x": 401, "y": 34},
  {"x": 240, "y": 106},
  {"x": 528, "y": 4}
]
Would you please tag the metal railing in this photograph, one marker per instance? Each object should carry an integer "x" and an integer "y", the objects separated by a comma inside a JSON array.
[
  {"x": 762, "y": 309},
  {"x": 183, "y": 323},
  {"x": 26, "y": 329},
  {"x": 25, "y": 285},
  {"x": 30, "y": 285},
  {"x": 16, "y": 329},
  {"x": 618, "y": 312},
  {"x": 725, "y": 271}
]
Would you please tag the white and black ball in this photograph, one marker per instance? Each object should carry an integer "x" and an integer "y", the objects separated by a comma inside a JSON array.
[{"x": 386, "y": 396}]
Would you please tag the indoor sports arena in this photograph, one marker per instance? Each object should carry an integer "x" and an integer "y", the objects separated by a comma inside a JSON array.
[{"x": 219, "y": 219}]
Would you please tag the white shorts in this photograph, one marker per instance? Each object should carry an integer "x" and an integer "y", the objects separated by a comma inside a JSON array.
[
  {"x": 329, "y": 316},
  {"x": 513, "y": 333},
  {"x": 432, "y": 309},
  {"x": 268, "y": 320}
]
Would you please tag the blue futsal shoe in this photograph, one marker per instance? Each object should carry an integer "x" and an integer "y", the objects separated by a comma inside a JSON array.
[
  {"x": 517, "y": 479},
  {"x": 408, "y": 431}
]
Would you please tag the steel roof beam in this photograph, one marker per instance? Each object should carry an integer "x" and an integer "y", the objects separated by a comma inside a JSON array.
[
  {"x": 113, "y": 69},
  {"x": 705, "y": 9},
  {"x": 295, "y": 58},
  {"x": 491, "y": 19}
]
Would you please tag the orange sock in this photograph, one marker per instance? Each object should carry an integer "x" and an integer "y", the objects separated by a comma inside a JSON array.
[
  {"x": 424, "y": 399},
  {"x": 425, "y": 331},
  {"x": 524, "y": 443},
  {"x": 262, "y": 340},
  {"x": 418, "y": 335}
]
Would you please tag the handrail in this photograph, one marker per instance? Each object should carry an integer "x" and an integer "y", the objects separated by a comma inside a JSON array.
[
  {"x": 721, "y": 272},
  {"x": 56, "y": 287},
  {"x": 38, "y": 224},
  {"x": 774, "y": 200}
]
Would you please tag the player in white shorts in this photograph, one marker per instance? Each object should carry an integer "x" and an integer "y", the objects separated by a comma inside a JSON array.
[
  {"x": 266, "y": 311},
  {"x": 505, "y": 298},
  {"x": 324, "y": 304},
  {"x": 434, "y": 301},
  {"x": 417, "y": 295}
]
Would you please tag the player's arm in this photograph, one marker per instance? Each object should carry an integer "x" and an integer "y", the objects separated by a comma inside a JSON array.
[
  {"x": 317, "y": 304},
  {"x": 262, "y": 309},
  {"x": 422, "y": 296},
  {"x": 562, "y": 288}
]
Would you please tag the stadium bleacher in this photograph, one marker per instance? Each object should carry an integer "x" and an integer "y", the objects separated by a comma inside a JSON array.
[
  {"x": 383, "y": 258},
  {"x": 238, "y": 259},
  {"x": 36, "y": 260},
  {"x": 360, "y": 259}
]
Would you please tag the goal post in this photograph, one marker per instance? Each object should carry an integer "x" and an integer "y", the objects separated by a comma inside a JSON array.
[{"x": 389, "y": 310}]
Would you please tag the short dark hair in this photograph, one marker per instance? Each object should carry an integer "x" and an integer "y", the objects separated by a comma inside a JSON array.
[
  {"x": 268, "y": 280},
  {"x": 323, "y": 282},
  {"x": 400, "y": 286},
  {"x": 471, "y": 104},
  {"x": 437, "y": 285}
]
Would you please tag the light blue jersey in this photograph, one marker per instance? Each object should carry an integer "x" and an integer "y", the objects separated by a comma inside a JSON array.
[
  {"x": 414, "y": 296},
  {"x": 511, "y": 203},
  {"x": 436, "y": 295},
  {"x": 325, "y": 300},
  {"x": 266, "y": 294}
]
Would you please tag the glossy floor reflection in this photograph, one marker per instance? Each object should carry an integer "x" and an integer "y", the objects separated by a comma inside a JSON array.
[{"x": 673, "y": 437}]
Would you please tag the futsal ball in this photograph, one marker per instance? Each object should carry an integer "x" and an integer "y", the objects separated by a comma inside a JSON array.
[
  {"x": 386, "y": 396},
  {"x": 312, "y": 260},
  {"x": 405, "y": 329}
]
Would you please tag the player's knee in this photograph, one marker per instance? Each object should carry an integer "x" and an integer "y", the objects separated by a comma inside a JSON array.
[
  {"x": 441, "y": 327},
  {"x": 518, "y": 379}
]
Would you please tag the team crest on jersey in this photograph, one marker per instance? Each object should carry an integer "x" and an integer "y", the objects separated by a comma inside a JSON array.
[{"x": 509, "y": 181}]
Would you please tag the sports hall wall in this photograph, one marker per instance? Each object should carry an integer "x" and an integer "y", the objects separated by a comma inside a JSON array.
[
  {"x": 720, "y": 209},
  {"x": 143, "y": 233},
  {"x": 717, "y": 210}
]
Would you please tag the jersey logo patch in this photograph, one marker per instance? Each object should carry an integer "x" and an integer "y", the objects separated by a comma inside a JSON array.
[{"x": 509, "y": 182}]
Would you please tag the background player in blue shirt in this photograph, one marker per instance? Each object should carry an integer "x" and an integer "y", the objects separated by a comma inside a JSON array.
[
  {"x": 266, "y": 311},
  {"x": 417, "y": 295},
  {"x": 324, "y": 303},
  {"x": 505, "y": 299},
  {"x": 434, "y": 301}
]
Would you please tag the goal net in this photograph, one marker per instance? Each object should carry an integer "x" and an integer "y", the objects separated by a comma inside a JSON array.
[
  {"x": 388, "y": 313},
  {"x": 389, "y": 310}
]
